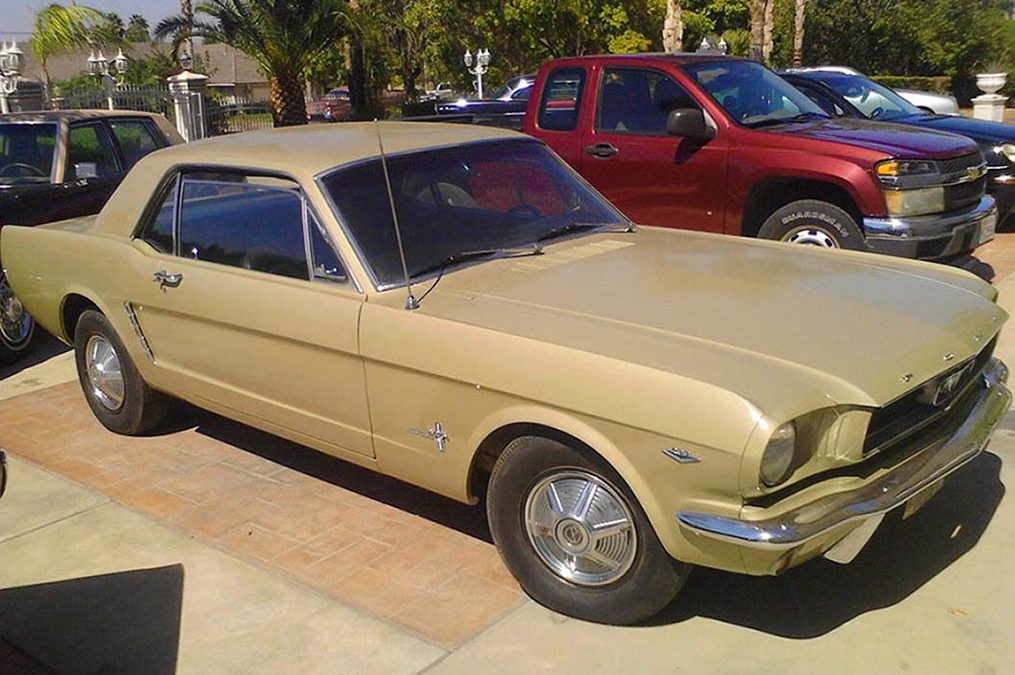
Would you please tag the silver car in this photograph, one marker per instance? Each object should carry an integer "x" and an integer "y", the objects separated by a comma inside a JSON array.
[{"x": 941, "y": 104}]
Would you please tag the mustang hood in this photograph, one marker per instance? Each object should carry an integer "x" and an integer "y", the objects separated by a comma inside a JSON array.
[
  {"x": 744, "y": 315},
  {"x": 895, "y": 140}
]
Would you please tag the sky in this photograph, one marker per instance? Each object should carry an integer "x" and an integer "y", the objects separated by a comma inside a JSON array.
[{"x": 19, "y": 15}]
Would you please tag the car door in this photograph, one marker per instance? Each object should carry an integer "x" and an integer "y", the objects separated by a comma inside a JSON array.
[
  {"x": 653, "y": 177},
  {"x": 246, "y": 303},
  {"x": 92, "y": 170},
  {"x": 560, "y": 111}
]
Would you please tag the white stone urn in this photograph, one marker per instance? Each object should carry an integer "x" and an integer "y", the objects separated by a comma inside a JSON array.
[{"x": 991, "y": 83}]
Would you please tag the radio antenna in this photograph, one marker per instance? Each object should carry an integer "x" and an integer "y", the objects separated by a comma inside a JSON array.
[{"x": 410, "y": 302}]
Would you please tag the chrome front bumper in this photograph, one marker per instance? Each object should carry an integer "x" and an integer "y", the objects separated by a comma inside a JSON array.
[
  {"x": 835, "y": 515},
  {"x": 931, "y": 237}
]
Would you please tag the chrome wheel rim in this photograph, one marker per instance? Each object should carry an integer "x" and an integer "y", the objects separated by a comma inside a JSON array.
[
  {"x": 810, "y": 236},
  {"x": 581, "y": 527},
  {"x": 15, "y": 323},
  {"x": 105, "y": 378}
]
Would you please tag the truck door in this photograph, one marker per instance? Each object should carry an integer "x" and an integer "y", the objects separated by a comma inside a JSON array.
[
  {"x": 653, "y": 177},
  {"x": 559, "y": 112}
]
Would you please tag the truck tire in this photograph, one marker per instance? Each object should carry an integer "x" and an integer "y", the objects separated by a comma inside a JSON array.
[
  {"x": 574, "y": 536},
  {"x": 815, "y": 223}
]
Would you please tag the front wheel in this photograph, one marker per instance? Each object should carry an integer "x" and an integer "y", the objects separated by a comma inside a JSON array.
[
  {"x": 813, "y": 223},
  {"x": 574, "y": 536},
  {"x": 16, "y": 325}
]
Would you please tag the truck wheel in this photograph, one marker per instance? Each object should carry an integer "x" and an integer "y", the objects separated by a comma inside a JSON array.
[
  {"x": 16, "y": 326},
  {"x": 113, "y": 387},
  {"x": 574, "y": 536},
  {"x": 814, "y": 223}
]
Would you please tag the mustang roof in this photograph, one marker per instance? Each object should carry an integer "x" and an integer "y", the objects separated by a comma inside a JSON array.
[{"x": 314, "y": 148}]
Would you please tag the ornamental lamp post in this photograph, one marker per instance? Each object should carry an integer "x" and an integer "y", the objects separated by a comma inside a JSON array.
[
  {"x": 11, "y": 58},
  {"x": 482, "y": 65},
  {"x": 186, "y": 60},
  {"x": 98, "y": 66}
]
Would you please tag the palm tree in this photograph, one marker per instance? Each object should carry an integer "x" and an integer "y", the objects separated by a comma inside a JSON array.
[
  {"x": 767, "y": 45},
  {"x": 673, "y": 28},
  {"x": 283, "y": 36},
  {"x": 757, "y": 12},
  {"x": 60, "y": 29},
  {"x": 798, "y": 33}
]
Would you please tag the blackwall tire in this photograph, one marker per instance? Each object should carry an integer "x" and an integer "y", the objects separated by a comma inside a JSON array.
[
  {"x": 816, "y": 223},
  {"x": 574, "y": 536}
]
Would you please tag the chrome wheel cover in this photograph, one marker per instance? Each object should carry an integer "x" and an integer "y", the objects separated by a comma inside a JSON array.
[
  {"x": 105, "y": 378},
  {"x": 581, "y": 527},
  {"x": 808, "y": 235},
  {"x": 15, "y": 323}
]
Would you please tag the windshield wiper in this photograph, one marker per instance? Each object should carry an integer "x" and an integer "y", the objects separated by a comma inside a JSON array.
[
  {"x": 802, "y": 117},
  {"x": 571, "y": 228},
  {"x": 465, "y": 256}
]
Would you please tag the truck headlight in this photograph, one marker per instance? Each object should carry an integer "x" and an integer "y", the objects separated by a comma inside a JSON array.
[
  {"x": 918, "y": 202},
  {"x": 777, "y": 460},
  {"x": 890, "y": 171}
]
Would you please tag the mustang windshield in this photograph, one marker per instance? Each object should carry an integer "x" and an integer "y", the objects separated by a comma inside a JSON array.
[
  {"x": 26, "y": 153},
  {"x": 479, "y": 197},
  {"x": 753, "y": 95}
]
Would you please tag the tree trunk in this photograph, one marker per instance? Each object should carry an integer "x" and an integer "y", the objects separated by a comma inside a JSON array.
[
  {"x": 356, "y": 66},
  {"x": 798, "y": 33},
  {"x": 757, "y": 12},
  {"x": 288, "y": 106},
  {"x": 673, "y": 28},
  {"x": 766, "y": 48}
]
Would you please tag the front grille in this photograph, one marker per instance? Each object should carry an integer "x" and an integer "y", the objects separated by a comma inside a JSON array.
[
  {"x": 962, "y": 163},
  {"x": 964, "y": 194},
  {"x": 905, "y": 416}
]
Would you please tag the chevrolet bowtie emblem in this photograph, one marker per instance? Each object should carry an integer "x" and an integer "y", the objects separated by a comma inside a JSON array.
[{"x": 975, "y": 172}]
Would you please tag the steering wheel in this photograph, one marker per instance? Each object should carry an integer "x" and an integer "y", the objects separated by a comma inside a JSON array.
[
  {"x": 877, "y": 112},
  {"x": 21, "y": 165}
]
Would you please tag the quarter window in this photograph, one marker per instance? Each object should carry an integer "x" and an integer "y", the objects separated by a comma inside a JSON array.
[
  {"x": 561, "y": 102},
  {"x": 159, "y": 232},
  {"x": 638, "y": 101},
  {"x": 326, "y": 262},
  {"x": 90, "y": 153}
]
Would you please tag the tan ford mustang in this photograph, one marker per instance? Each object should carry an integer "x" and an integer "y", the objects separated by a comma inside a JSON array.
[{"x": 631, "y": 401}]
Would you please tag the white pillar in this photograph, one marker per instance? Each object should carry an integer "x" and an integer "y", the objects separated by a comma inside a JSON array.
[
  {"x": 188, "y": 91},
  {"x": 989, "y": 107}
]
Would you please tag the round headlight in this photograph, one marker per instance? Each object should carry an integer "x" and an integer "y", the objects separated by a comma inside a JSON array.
[{"x": 777, "y": 460}]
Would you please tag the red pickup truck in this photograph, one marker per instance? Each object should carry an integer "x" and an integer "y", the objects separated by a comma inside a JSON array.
[{"x": 723, "y": 144}]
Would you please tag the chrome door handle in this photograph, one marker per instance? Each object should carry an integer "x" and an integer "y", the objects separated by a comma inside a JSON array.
[
  {"x": 167, "y": 279},
  {"x": 602, "y": 150}
]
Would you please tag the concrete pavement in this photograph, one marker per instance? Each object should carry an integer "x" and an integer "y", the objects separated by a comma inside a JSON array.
[{"x": 93, "y": 583}]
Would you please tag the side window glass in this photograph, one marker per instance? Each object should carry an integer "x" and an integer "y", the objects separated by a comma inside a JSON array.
[
  {"x": 633, "y": 100},
  {"x": 135, "y": 139},
  {"x": 561, "y": 102},
  {"x": 326, "y": 262},
  {"x": 159, "y": 232},
  {"x": 90, "y": 153},
  {"x": 244, "y": 221}
]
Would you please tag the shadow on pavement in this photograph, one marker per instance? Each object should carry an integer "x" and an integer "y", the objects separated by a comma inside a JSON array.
[
  {"x": 43, "y": 347},
  {"x": 469, "y": 520},
  {"x": 819, "y": 596},
  {"x": 971, "y": 263},
  {"x": 125, "y": 622}
]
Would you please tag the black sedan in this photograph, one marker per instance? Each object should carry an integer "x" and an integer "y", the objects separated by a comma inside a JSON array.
[
  {"x": 844, "y": 95},
  {"x": 64, "y": 164}
]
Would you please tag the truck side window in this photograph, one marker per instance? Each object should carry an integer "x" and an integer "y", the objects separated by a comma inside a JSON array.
[
  {"x": 561, "y": 102},
  {"x": 638, "y": 101}
]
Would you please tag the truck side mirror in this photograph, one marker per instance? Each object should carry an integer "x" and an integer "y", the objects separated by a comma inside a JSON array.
[{"x": 689, "y": 123}]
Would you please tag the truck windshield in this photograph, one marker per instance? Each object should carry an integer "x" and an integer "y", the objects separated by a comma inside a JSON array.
[
  {"x": 464, "y": 199},
  {"x": 26, "y": 153},
  {"x": 753, "y": 95},
  {"x": 870, "y": 98}
]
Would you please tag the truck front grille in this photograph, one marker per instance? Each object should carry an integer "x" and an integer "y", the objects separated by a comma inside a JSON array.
[
  {"x": 964, "y": 194},
  {"x": 962, "y": 163}
]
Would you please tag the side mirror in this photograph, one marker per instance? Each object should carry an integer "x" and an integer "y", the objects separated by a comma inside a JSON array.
[
  {"x": 86, "y": 170},
  {"x": 689, "y": 123}
]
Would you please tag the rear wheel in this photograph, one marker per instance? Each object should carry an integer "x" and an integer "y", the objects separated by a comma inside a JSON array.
[
  {"x": 113, "y": 387},
  {"x": 16, "y": 325},
  {"x": 574, "y": 536},
  {"x": 813, "y": 223}
]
